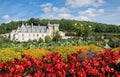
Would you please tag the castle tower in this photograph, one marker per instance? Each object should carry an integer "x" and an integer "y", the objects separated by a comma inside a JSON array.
[
  {"x": 56, "y": 27},
  {"x": 50, "y": 27}
]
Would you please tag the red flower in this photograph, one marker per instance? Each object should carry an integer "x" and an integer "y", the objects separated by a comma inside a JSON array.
[
  {"x": 48, "y": 56},
  {"x": 28, "y": 57},
  {"x": 28, "y": 75},
  {"x": 19, "y": 68},
  {"x": 1, "y": 76},
  {"x": 53, "y": 66},
  {"x": 12, "y": 69},
  {"x": 103, "y": 63},
  {"x": 58, "y": 66},
  {"x": 36, "y": 61},
  {"x": 18, "y": 75},
  {"x": 72, "y": 71},
  {"x": 73, "y": 57},
  {"x": 28, "y": 64},
  {"x": 103, "y": 69},
  {"x": 1, "y": 65},
  {"x": 59, "y": 74},
  {"x": 112, "y": 70},
  {"x": 78, "y": 64},
  {"x": 118, "y": 74},
  {"x": 95, "y": 63},
  {"x": 81, "y": 73},
  {"x": 108, "y": 69}
]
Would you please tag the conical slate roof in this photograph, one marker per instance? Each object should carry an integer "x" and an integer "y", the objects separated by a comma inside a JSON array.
[{"x": 32, "y": 28}]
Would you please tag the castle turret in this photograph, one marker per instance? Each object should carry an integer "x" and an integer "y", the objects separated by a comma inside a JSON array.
[
  {"x": 50, "y": 27},
  {"x": 56, "y": 27}
]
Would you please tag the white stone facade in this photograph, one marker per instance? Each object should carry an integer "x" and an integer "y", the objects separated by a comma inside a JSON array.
[{"x": 32, "y": 32}]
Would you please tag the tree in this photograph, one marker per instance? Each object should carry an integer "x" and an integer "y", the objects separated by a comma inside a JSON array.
[
  {"x": 48, "y": 39},
  {"x": 56, "y": 36},
  {"x": 34, "y": 21},
  {"x": 4, "y": 40},
  {"x": 40, "y": 40},
  {"x": 82, "y": 30}
]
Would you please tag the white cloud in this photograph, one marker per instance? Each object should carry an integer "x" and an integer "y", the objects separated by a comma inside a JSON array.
[
  {"x": 6, "y": 17},
  {"x": 83, "y": 18},
  {"x": 82, "y": 3},
  {"x": 101, "y": 11},
  {"x": 118, "y": 9},
  {"x": 101, "y": 1},
  {"x": 15, "y": 19},
  {"x": 79, "y": 3},
  {"x": 60, "y": 10},
  {"x": 65, "y": 15},
  {"x": 91, "y": 12},
  {"x": 46, "y": 5},
  {"x": 47, "y": 9},
  {"x": 53, "y": 12}
]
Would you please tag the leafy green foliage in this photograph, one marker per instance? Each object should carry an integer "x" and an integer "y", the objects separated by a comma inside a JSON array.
[
  {"x": 82, "y": 30},
  {"x": 65, "y": 25},
  {"x": 40, "y": 40},
  {"x": 48, "y": 39},
  {"x": 56, "y": 36},
  {"x": 114, "y": 42},
  {"x": 4, "y": 40}
]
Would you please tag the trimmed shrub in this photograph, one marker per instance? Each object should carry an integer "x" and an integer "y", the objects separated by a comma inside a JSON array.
[
  {"x": 91, "y": 47},
  {"x": 9, "y": 54},
  {"x": 48, "y": 39},
  {"x": 35, "y": 53},
  {"x": 65, "y": 50}
]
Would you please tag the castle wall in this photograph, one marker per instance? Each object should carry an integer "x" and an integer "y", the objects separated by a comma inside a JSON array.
[
  {"x": 56, "y": 27},
  {"x": 22, "y": 35}
]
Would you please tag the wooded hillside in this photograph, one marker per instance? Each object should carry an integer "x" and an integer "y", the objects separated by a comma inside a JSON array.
[{"x": 65, "y": 25}]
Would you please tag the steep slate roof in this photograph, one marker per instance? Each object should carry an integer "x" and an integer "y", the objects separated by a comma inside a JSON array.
[{"x": 32, "y": 29}]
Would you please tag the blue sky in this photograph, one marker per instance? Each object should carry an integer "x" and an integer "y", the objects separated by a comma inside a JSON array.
[{"x": 103, "y": 11}]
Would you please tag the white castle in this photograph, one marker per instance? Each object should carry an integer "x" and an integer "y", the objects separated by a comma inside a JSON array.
[{"x": 33, "y": 32}]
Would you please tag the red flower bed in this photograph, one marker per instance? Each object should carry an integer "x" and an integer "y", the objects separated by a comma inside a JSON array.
[{"x": 78, "y": 65}]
